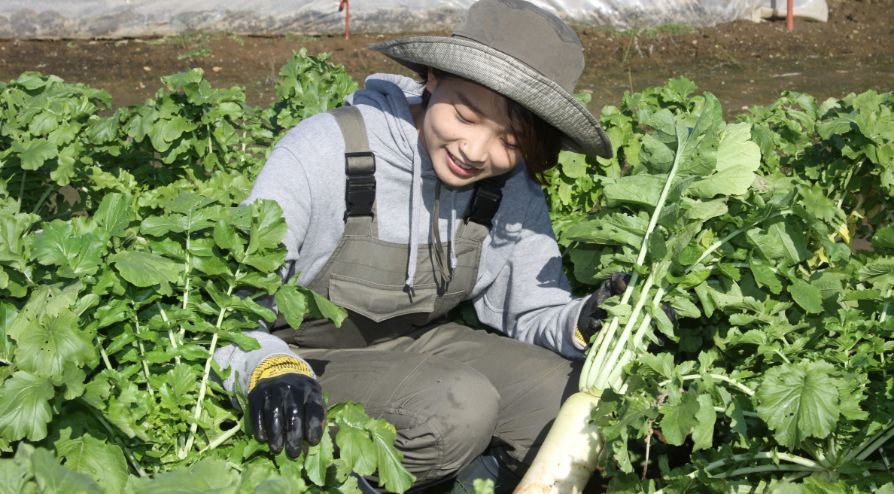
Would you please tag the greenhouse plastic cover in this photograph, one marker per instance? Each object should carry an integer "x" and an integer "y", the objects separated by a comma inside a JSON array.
[{"x": 124, "y": 18}]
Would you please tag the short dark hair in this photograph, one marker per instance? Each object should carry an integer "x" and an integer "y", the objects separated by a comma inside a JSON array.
[{"x": 539, "y": 141}]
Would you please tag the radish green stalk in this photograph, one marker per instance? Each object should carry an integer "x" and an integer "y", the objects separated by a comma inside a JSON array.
[
  {"x": 568, "y": 456},
  {"x": 203, "y": 387}
]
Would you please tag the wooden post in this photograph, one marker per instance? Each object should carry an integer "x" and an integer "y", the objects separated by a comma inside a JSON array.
[
  {"x": 343, "y": 5},
  {"x": 790, "y": 15}
]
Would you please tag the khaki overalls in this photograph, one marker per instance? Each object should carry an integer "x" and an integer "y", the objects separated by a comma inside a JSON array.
[{"x": 451, "y": 391}]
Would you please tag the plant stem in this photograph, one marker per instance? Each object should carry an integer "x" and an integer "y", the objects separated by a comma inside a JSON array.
[
  {"x": 108, "y": 427},
  {"x": 719, "y": 243},
  {"x": 142, "y": 350},
  {"x": 587, "y": 381},
  {"x": 884, "y": 313},
  {"x": 878, "y": 443},
  {"x": 806, "y": 464},
  {"x": 187, "y": 269},
  {"x": 604, "y": 337},
  {"x": 103, "y": 354},
  {"x": 653, "y": 221},
  {"x": 744, "y": 412},
  {"x": 171, "y": 337},
  {"x": 203, "y": 387},
  {"x": 217, "y": 441},
  {"x": 210, "y": 147},
  {"x": 853, "y": 452},
  {"x": 881, "y": 319},
  {"x": 766, "y": 468},
  {"x": 648, "y": 450},
  {"x": 647, "y": 319},
  {"x": 629, "y": 352},
  {"x": 43, "y": 198},
  {"x": 611, "y": 366},
  {"x": 22, "y": 189},
  {"x": 691, "y": 377},
  {"x": 847, "y": 181}
]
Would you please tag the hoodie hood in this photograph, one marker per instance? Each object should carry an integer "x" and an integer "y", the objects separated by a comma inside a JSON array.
[{"x": 393, "y": 95}]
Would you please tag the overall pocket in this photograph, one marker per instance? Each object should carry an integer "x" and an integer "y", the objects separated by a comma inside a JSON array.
[{"x": 379, "y": 302}]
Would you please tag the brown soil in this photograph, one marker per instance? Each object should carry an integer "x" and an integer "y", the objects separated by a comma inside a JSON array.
[{"x": 743, "y": 63}]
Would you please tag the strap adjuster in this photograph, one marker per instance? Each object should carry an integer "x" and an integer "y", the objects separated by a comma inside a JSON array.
[
  {"x": 360, "y": 184},
  {"x": 485, "y": 202}
]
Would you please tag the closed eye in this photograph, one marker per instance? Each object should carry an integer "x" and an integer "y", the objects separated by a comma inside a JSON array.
[
  {"x": 511, "y": 144},
  {"x": 462, "y": 118}
]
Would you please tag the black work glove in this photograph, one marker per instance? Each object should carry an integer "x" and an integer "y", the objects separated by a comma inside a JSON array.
[
  {"x": 285, "y": 404},
  {"x": 591, "y": 314}
]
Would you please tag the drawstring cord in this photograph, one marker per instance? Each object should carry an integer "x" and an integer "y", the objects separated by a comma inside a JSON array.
[{"x": 444, "y": 271}]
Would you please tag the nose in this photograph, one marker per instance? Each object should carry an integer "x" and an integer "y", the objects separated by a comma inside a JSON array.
[{"x": 474, "y": 148}]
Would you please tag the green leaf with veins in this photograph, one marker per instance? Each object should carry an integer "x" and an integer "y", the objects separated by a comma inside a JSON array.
[
  {"x": 113, "y": 213},
  {"x": 268, "y": 227},
  {"x": 639, "y": 190},
  {"x": 24, "y": 407},
  {"x": 144, "y": 269},
  {"x": 77, "y": 253},
  {"x": 292, "y": 304},
  {"x": 737, "y": 160},
  {"x": 679, "y": 418},
  {"x": 327, "y": 309},
  {"x": 799, "y": 401},
  {"x": 102, "y": 461},
  {"x": 318, "y": 459},
  {"x": 13, "y": 477},
  {"x": 388, "y": 460},
  {"x": 807, "y": 296},
  {"x": 705, "y": 420},
  {"x": 208, "y": 476},
  {"x": 35, "y": 153},
  {"x": 53, "y": 478},
  {"x": 52, "y": 341}
]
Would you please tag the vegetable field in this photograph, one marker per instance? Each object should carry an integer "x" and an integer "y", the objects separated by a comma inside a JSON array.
[{"x": 126, "y": 260}]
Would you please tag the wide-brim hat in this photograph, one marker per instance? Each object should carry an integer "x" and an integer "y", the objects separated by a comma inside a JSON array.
[{"x": 520, "y": 51}]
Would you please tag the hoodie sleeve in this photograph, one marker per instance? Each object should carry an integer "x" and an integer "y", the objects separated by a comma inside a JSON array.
[
  {"x": 530, "y": 297},
  {"x": 284, "y": 180}
]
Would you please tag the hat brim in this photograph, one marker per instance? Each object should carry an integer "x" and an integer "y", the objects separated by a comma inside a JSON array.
[{"x": 507, "y": 76}]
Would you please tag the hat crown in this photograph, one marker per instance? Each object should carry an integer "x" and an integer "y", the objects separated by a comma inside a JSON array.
[{"x": 529, "y": 34}]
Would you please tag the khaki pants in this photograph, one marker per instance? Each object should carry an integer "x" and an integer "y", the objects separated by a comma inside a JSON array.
[{"x": 451, "y": 392}]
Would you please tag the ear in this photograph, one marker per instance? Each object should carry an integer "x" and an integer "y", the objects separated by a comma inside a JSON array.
[{"x": 431, "y": 82}]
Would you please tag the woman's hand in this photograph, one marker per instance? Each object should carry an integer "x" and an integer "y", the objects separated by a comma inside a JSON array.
[
  {"x": 591, "y": 315},
  {"x": 286, "y": 405}
]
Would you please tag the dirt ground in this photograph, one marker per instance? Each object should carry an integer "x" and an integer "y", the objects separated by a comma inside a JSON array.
[{"x": 743, "y": 63}]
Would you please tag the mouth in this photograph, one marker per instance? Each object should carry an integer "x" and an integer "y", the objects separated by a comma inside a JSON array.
[{"x": 460, "y": 168}]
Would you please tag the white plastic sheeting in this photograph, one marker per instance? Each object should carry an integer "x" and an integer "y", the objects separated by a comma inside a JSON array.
[
  {"x": 814, "y": 10},
  {"x": 121, "y": 18}
]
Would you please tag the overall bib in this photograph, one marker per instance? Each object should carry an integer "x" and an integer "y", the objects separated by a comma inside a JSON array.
[{"x": 451, "y": 391}]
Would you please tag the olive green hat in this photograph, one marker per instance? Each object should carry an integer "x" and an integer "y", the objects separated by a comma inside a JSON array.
[{"x": 520, "y": 51}]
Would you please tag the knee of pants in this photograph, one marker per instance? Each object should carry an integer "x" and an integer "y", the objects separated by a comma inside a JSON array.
[{"x": 448, "y": 422}]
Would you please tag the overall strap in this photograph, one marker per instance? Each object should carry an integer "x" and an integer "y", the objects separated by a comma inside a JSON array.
[
  {"x": 485, "y": 201},
  {"x": 360, "y": 163}
]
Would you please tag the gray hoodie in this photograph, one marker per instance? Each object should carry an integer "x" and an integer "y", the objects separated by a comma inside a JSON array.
[{"x": 521, "y": 289}]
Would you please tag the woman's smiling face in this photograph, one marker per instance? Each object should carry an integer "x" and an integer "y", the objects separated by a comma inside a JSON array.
[{"x": 466, "y": 131}]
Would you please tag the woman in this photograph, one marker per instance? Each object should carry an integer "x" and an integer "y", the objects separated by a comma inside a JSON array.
[{"x": 412, "y": 199}]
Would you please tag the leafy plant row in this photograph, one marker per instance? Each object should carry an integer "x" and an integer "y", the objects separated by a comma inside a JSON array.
[
  {"x": 775, "y": 247},
  {"x": 126, "y": 261}
]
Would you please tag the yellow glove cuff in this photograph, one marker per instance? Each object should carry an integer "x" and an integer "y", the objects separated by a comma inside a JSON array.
[
  {"x": 579, "y": 339},
  {"x": 278, "y": 365}
]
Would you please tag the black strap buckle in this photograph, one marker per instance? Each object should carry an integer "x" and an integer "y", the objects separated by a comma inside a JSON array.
[
  {"x": 360, "y": 184},
  {"x": 485, "y": 202}
]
